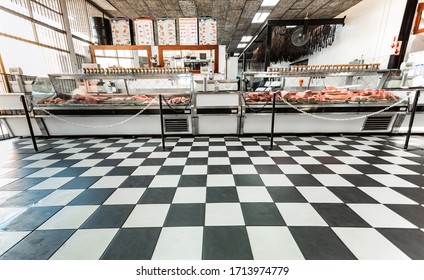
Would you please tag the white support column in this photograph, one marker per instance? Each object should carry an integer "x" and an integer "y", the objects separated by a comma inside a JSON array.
[{"x": 67, "y": 27}]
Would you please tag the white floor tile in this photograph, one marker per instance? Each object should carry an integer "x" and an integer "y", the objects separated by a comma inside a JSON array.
[
  {"x": 253, "y": 148},
  {"x": 147, "y": 215},
  {"x": 238, "y": 154},
  {"x": 218, "y": 161},
  {"x": 8, "y": 213},
  {"x": 289, "y": 148},
  {"x": 46, "y": 172},
  {"x": 59, "y": 198},
  {"x": 175, "y": 161},
  {"x": 5, "y": 170},
  {"x": 364, "y": 147},
  {"x": 292, "y": 169},
  {"x": 119, "y": 155},
  {"x": 400, "y": 160},
  {"x": 159, "y": 155},
  {"x": 300, "y": 214},
  {"x": 390, "y": 180},
  {"x": 109, "y": 150},
  {"x": 69, "y": 217},
  {"x": 223, "y": 180},
  {"x": 42, "y": 163},
  {"x": 125, "y": 196},
  {"x": 5, "y": 195},
  {"x": 179, "y": 243},
  {"x": 181, "y": 149},
  {"x": 195, "y": 170},
  {"x": 85, "y": 244},
  {"x": 402, "y": 153},
  {"x": 244, "y": 169},
  {"x": 332, "y": 180},
  {"x": 396, "y": 169},
  {"x": 80, "y": 156},
  {"x": 190, "y": 195},
  {"x": 326, "y": 148},
  {"x": 380, "y": 216},
  {"x": 262, "y": 160},
  {"x": 351, "y": 160},
  {"x": 306, "y": 160},
  {"x": 109, "y": 182},
  {"x": 165, "y": 181},
  {"x": 300, "y": 143},
  {"x": 233, "y": 143},
  {"x": 72, "y": 151},
  {"x": 273, "y": 243},
  {"x": 87, "y": 163},
  {"x": 277, "y": 153},
  {"x": 131, "y": 162},
  {"x": 9, "y": 239},
  {"x": 97, "y": 171},
  {"x": 276, "y": 180},
  {"x": 318, "y": 195},
  {"x": 369, "y": 244},
  {"x": 253, "y": 194},
  {"x": 51, "y": 183},
  {"x": 198, "y": 154},
  {"x": 315, "y": 153},
  {"x": 200, "y": 144},
  {"x": 343, "y": 169},
  {"x": 387, "y": 195},
  {"x": 39, "y": 156},
  {"x": 223, "y": 214},
  {"x": 146, "y": 170}
]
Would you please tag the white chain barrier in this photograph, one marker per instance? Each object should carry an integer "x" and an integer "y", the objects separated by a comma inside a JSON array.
[
  {"x": 345, "y": 119},
  {"x": 99, "y": 126}
]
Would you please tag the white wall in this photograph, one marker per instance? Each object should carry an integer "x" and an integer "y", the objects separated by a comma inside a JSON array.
[
  {"x": 416, "y": 42},
  {"x": 370, "y": 27}
]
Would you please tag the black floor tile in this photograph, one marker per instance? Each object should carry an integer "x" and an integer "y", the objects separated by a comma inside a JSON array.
[
  {"x": 122, "y": 171},
  {"x": 92, "y": 197},
  {"x": 109, "y": 162},
  {"x": 192, "y": 181},
  {"x": 338, "y": 153},
  {"x": 71, "y": 172},
  {"x": 257, "y": 154},
  {"x": 109, "y": 216},
  {"x": 39, "y": 245},
  {"x": 285, "y": 194},
  {"x": 221, "y": 194},
  {"x": 31, "y": 218},
  {"x": 199, "y": 148},
  {"x": 20, "y": 173},
  {"x": 170, "y": 170},
  {"x": 307, "y": 147},
  {"x": 416, "y": 194},
  {"x": 25, "y": 199},
  {"x": 235, "y": 148},
  {"x": 268, "y": 169},
  {"x": 413, "y": 213},
  {"x": 303, "y": 180},
  {"x": 186, "y": 215},
  {"x": 360, "y": 180},
  {"x": 297, "y": 154},
  {"x": 284, "y": 160},
  {"x": 153, "y": 161},
  {"x": 22, "y": 184},
  {"x": 219, "y": 169},
  {"x": 137, "y": 182},
  {"x": 218, "y": 154},
  {"x": 139, "y": 155},
  {"x": 317, "y": 169},
  {"x": 374, "y": 160},
  {"x": 100, "y": 156},
  {"x": 226, "y": 243},
  {"x": 65, "y": 163},
  {"x": 328, "y": 160},
  {"x": 80, "y": 183},
  {"x": 262, "y": 214},
  {"x": 352, "y": 195},
  {"x": 248, "y": 180},
  {"x": 132, "y": 244},
  {"x": 197, "y": 161},
  {"x": 157, "y": 196},
  {"x": 178, "y": 155},
  {"x": 368, "y": 169},
  {"x": 339, "y": 215},
  {"x": 320, "y": 243},
  {"x": 410, "y": 241},
  {"x": 240, "y": 160}
]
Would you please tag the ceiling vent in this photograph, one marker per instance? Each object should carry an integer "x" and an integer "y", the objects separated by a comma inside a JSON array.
[{"x": 377, "y": 123}]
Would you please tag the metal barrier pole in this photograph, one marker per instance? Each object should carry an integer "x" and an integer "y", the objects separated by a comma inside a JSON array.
[
  {"x": 31, "y": 131},
  {"x": 161, "y": 122},
  {"x": 273, "y": 120},
  {"x": 411, "y": 120}
]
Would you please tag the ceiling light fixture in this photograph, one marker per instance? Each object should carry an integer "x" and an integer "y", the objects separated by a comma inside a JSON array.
[
  {"x": 269, "y": 3},
  {"x": 236, "y": 54},
  {"x": 260, "y": 17},
  {"x": 241, "y": 45},
  {"x": 246, "y": 38}
]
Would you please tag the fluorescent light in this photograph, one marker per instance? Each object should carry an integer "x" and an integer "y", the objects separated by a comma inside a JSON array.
[
  {"x": 246, "y": 38},
  {"x": 291, "y": 26},
  {"x": 236, "y": 54},
  {"x": 104, "y": 4},
  {"x": 260, "y": 17},
  {"x": 269, "y": 3},
  {"x": 241, "y": 45}
]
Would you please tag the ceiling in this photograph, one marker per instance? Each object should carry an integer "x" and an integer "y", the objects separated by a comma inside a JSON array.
[{"x": 234, "y": 17}]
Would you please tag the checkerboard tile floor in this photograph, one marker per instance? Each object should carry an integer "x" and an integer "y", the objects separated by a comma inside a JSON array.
[{"x": 310, "y": 197}]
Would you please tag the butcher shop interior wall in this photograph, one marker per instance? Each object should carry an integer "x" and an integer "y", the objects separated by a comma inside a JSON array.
[{"x": 369, "y": 30}]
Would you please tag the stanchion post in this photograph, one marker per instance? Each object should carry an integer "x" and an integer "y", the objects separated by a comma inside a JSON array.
[
  {"x": 161, "y": 122},
  {"x": 31, "y": 131},
  {"x": 411, "y": 120},
  {"x": 272, "y": 120}
]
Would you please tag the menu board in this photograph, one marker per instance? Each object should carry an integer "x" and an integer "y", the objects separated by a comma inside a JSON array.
[
  {"x": 167, "y": 32},
  {"x": 208, "y": 31},
  {"x": 143, "y": 31},
  {"x": 188, "y": 31},
  {"x": 121, "y": 31}
]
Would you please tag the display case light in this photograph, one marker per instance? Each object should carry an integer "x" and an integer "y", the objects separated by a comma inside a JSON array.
[
  {"x": 241, "y": 46},
  {"x": 236, "y": 54},
  {"x": 246, "y": 38},
  {"x": 260, "y": 17}
]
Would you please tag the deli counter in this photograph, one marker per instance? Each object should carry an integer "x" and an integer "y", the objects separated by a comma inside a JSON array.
[{"x": 132, "y": 103}]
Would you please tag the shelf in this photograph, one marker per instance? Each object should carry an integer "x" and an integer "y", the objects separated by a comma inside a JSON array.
[
  {"x": 313, "y": 74},
  {"x": 120, "y": 76}
]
